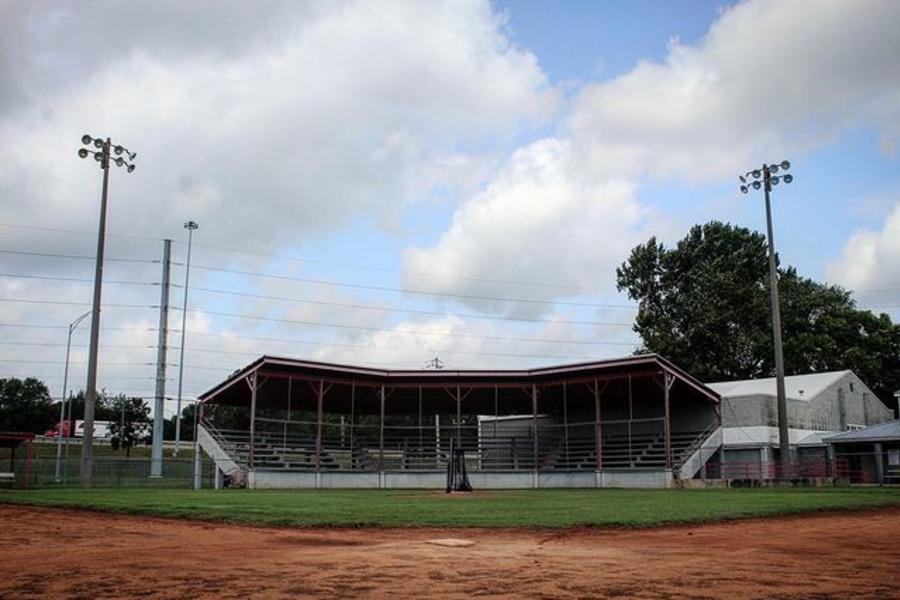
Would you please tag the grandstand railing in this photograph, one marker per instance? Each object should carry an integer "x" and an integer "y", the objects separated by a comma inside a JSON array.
[{"x": 298, "y": 445}]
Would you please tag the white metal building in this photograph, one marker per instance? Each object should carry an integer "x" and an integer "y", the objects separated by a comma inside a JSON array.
[{"x": 819, "y": 405}]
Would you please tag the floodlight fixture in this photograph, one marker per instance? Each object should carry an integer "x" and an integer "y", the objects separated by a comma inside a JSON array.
[
  {"x": 774, "y": 179},
  {"x": 785, "y": 165},
  {"x": 756, "y": 173},
  {"x": 83, "y": 153},
  {"x": 788, "y": 178},
  {"x": 756, "y": 185},
  {"x": 86, "y": 140}
]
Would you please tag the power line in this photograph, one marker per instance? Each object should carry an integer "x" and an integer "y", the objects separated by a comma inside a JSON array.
[
  {"x": 68, "y": 303},
  {"x": 416, "y": 292},
  {"x": 388, "y": 270},
  {"x": 43, "y": 326},
  {"x": 406, "y": 332},
  {"x": 74, "y": 279},
  {"x": 79, "y": 232},
  {"x": 403, "y": 350},
  {"x": 77, "y": 256},
  {"x": 406, "y": 310},
  {"x": 17, "y": 343}
]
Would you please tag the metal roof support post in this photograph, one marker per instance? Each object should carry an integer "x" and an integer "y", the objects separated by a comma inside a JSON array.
[
  {"x": 381, "y": 432},
  {"x": 28, "y": 452},
  {"x": 598, "y": 431},
  {"x": 437, "y": 440},
  {"x": 534, "y": 428},
  {"x": 352, "y": 421},
  {"x": 458, "y": 418},
  {"x": 284, "y": 431},
  {"x": 879, "y": 463},
  {"x": 198, "y": 458},
  {"x": 566, "y": 425},
  {"x": 668, "y": 380},
  {"x": 421, "y": 431},
  {"x": 319, "y": 398},
  {"x": 253, "y": 389},
  {"x": 630, "y": 421}
]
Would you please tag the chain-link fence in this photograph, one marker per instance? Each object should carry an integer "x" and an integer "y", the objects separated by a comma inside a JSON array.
[{"x": 109, "y": 472}]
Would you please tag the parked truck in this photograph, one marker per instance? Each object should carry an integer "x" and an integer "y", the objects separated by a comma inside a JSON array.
[{"x": 101, "y": 429}]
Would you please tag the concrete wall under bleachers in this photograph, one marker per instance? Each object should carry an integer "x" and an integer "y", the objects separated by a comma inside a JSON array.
[{"x": 621, "y": 478}]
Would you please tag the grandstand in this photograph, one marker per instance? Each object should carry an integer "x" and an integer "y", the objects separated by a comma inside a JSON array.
[{"x": 284, "y": 423}]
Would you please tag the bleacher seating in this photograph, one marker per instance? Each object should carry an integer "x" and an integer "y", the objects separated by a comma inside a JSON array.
[{"x": 556, "y": 451}]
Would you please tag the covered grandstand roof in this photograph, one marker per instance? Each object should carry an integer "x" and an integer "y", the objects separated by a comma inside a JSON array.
[
  {"x": 797, "y": 387},
  {"x": 649, "y": 363},
  {"x": 883, "y": 432}
]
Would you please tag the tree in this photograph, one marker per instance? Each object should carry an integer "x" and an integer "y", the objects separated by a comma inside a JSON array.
[
  {"x": 26, "y": 405},
  {"x": 131, "y": 427},
  {"x": 705, "y": 304},
  {"x": 103, "y": 407},
  {"x": 187, "y": 424}
]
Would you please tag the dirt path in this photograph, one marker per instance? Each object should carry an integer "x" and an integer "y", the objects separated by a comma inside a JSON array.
[{"x": 55, "y": 553}]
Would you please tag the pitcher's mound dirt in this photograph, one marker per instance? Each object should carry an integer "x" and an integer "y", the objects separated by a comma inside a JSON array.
[{"x": 77, "y": 554}]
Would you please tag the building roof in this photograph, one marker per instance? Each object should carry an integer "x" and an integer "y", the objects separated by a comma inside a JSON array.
[
  {"x": 883, "y": 432},
  {"x": 796, "y": 387},
  {"x": 440, "y": 377}
]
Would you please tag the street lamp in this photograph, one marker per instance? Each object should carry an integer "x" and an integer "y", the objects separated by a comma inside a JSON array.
[
  {"x": 102, "y": 151},
  {"x": 190, "y": 226},
  {"x": 62, "y": 404},
  {"x": 765, "y": 178}
]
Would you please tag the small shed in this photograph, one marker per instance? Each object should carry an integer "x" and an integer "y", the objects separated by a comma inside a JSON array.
[
  {"x": 14, "y": 441},
  {"x": 869, "y": 455}
]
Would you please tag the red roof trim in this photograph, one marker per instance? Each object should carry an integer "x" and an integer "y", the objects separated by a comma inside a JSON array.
[{"x": 640, "y": 360}]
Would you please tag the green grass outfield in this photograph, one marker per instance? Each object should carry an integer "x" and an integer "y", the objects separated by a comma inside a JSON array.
[{"x": 409, "y": 508}]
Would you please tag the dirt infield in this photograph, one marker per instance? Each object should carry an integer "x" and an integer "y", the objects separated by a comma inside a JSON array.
[{"x": 55, "y": 553}]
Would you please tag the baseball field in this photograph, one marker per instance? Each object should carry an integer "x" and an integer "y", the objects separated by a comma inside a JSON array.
[{"x": 754, "y": 543}]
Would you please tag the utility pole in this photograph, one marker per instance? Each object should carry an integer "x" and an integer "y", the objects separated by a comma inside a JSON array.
[
  {"x": 190, "y": 226},
  {"x": 159, "y": 405},
  {"x": 769, "y": 178},
  {"x": 102, "y": 156}
]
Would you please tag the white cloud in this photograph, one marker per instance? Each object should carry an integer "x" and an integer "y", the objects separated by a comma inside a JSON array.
[
  {"x": 538, "y": 221},
  {"x": 871, "y": 260},
  {"x": 321, "y": 115},
  {"x": 771, "y": 79}
]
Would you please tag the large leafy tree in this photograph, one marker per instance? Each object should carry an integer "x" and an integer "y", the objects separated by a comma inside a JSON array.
[
  {"x": 103, "y": 407},
  {"x": 132, "y": 424},
  {"x": 25, "y": 405},
  {"x": 705, "y": 305},
  {"x": 187, "y": 424}
]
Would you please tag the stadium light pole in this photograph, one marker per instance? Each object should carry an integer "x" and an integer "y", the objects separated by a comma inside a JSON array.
[
  {"x": 191, "y": 226},
  {"x": 751, "y": 179},
  {"x": 101, "y": 150},
  {"x": 62, "y": 404}
]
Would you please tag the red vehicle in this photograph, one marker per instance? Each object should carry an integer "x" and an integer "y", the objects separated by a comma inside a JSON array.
[{"x": 65, "y": 426}]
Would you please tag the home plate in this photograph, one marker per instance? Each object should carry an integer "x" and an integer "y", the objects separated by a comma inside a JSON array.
[{"x": 451, "y": 542}]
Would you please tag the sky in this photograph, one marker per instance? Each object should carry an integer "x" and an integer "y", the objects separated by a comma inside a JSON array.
[{"x": 382, "y": 183}]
